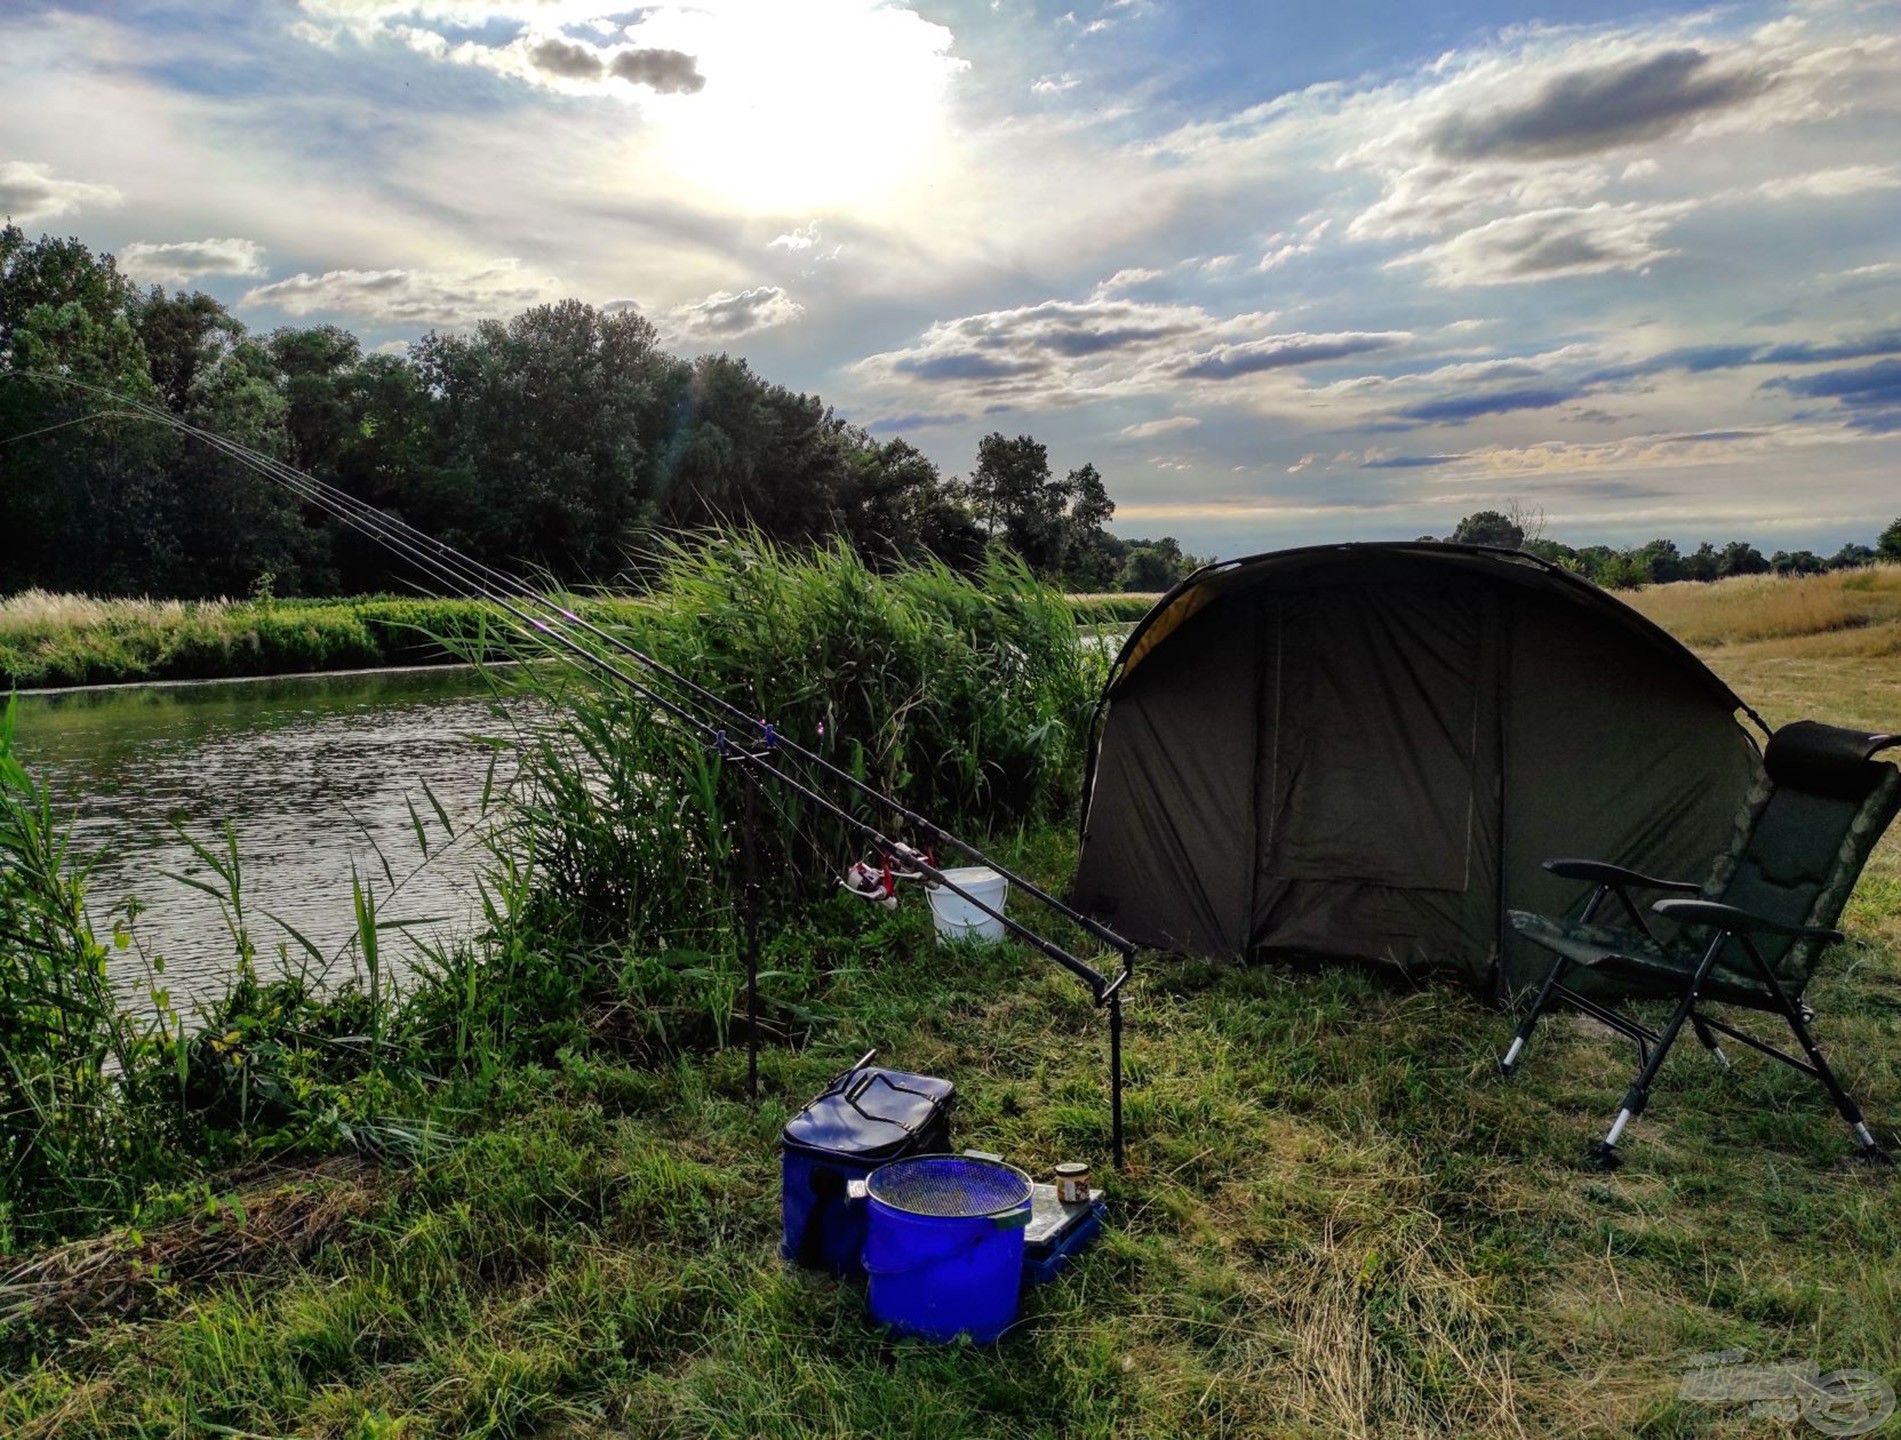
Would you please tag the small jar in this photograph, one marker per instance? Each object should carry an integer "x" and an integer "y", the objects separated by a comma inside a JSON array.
[{"x": 1072, "y": 1183}]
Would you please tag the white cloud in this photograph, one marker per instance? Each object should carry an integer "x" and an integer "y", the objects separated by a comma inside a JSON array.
[
  {"x": 1062, "y": 352},
  {"x": 175, "y": 262},
  {"x": 803, "y": 238},
  {"x": 1053, "y": 84},
  {"x": 1545, "y": 244},
  {"x": 1831, "y": 184},
  {"x": 726, "y": 314},
  {"x": 407, "y": 297},
  {"x": 1149, "y": 428},
  {"x": 1131, "y": 278},
  {"x": 32, "y": 192}
]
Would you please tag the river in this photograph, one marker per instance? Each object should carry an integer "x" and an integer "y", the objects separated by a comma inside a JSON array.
[{"x": 315, "y": 774}]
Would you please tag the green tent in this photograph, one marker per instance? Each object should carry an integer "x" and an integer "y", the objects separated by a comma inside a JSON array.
[{"x": 1364, "y": 752}]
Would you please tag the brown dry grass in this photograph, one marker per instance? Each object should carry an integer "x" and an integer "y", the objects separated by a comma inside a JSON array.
[{"x": 1857, "y": 610}]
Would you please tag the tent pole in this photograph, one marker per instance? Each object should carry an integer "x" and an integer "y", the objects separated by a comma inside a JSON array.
[{"x": 1504, "y": 745}]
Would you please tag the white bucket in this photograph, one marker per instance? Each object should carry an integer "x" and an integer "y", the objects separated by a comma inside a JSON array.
[{"x": 956, "y": 917}]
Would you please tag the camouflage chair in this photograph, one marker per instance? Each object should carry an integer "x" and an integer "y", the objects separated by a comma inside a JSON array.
[{"x": 1755, "y": 931}]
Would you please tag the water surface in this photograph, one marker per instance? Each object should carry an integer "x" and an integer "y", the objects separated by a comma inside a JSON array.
[{"x": 315, "y": 774}]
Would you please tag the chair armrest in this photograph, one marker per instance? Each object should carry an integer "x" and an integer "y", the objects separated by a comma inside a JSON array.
[
  {"x": 1728, "y": 917},
  {"x": 1599, "y": 873}
]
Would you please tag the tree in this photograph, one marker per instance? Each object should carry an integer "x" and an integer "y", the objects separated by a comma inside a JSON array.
[
  {"x": 1091, "y": 558},
  {"x": 1852, "y": 557},
  {"x": 1797, "y": 562},
  {"x": 1704, "y": 564},
  {"x": 1013, "y": 495},
  {"x": 1489, "y": 527},
  {"x": 1741, "y": 558},
  {"x": 1660, "y": 562},
  {"x": 1888, "y": 547},
  {"x": 1157, "y": 565}
]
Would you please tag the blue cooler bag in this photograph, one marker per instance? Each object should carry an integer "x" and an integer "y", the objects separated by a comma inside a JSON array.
[{"x": 866, "y": 1117}]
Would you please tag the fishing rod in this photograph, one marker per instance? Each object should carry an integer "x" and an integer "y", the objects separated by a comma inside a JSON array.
[
  {"x": 482, "y": 577},
  {"x": 475, "y": 580}
]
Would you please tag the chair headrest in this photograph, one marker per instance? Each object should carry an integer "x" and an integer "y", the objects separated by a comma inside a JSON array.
[{"x": 1827, "y": 759}]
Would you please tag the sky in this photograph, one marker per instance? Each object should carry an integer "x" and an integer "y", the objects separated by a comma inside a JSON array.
[{"x": 1285, "y": 273}]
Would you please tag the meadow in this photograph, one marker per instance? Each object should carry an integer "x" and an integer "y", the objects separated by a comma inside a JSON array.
[{"x": 532, "y": 1198}]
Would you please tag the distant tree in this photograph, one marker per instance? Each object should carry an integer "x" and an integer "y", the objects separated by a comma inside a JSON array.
[
  {"x": 1560, "y": 555},
  {"x": 1013, "y": 495},
  {"x": 1797, "y": 562},
  {"x": 1660, "y": 562},
  {"x": 1741, "y": 558},
  {"x": 1888, "y": 547},
  {"x": 1489, "y": 527},
  {"x": 1091, "y": 557},
  {"x": 1157, "y": 565},
  {"x": 1705, "y": 563},
  {"x": 1852, "y": 557}
]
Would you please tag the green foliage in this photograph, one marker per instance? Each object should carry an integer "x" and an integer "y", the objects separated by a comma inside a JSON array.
[
  {"x": 554, "y": 440},
  {"x": 1660, "y": 562}
]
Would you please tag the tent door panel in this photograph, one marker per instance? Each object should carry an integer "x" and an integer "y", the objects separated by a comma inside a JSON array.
[{"x": 1379, "y": 745}]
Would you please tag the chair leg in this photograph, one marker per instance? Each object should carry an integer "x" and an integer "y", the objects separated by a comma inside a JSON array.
[
  {"x": 1867, "y": 1148},
  {"x": 1526, "y": 1025},
  {"x": 1708, "y": 1037},
  {"x": 1604, "y": 1153}
]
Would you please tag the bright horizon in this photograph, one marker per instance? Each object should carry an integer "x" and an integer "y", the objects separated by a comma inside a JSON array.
[{"x": 1288, "y": 275}]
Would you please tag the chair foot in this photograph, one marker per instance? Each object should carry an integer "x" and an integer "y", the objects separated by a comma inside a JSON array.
[
  {"x": 1873, "y": 1157},
  {"x": 1602, "y": 1155},
  {"x": 1508, "y": 1062},
  {"x": 1722, "y": 1060}
]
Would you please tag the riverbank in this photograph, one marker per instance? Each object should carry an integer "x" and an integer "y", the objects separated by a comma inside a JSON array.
[
  {"x": 59, "y": 641},
  {"x": 534, "y": 1198}
]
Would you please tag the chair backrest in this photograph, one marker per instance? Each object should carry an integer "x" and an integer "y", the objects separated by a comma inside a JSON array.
[{"x": 1815, "y": 815}]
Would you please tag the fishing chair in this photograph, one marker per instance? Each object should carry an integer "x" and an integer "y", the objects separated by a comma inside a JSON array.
[{"x": 1753, "y": 932}]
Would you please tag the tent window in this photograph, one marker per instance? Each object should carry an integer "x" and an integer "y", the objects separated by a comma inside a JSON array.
[{"x": 1376, "y": 748}]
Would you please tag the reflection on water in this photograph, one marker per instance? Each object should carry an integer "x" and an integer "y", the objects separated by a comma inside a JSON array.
[{"x": 314, "y": 773}]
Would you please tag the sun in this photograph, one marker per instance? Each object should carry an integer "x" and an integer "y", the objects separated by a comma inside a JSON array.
[{"x": 829, "y": 105}]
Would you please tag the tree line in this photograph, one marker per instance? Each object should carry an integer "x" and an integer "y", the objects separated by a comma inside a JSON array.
[
  {"x": 554, "y": 440},
  {"x": 1660, "y": 561}
]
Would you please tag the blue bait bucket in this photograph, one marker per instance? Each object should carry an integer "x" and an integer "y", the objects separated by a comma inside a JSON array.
[{"x": 944, "y": 1245}]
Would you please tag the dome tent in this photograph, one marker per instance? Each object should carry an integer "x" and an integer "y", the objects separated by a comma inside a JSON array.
[{"x": 1366, "y": 752}]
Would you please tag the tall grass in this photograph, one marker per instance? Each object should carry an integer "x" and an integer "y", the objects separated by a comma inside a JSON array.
[
  {"x": 608, "y": 910},
  {"x": 967, "y": 698},
  {"x": 1750, "y": 608}
]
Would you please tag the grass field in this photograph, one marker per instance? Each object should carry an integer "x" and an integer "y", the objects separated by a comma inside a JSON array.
[
  {"x": 1336, "y": 1222},
  {"x": 60, "y": 640}
]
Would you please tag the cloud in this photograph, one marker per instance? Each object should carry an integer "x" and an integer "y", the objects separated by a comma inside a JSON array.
[
  {"x": 407, "y": 297},
  {"x": 1053, "y": 84},
  {"x": 31, "y": 192},
  {"x": 1061, "y": 352},
  {"x": 1278, "y": 352},
  {"x": 1545, "y": 244},
  {"x": 1408, "y": 462},
  {"x": 1149, "y": 428},
  {"x": 665, "y": 72},
  {"x": 1831, "y": 184},
  {"x": 1131, "y": 278},
  {"x": 917, "y": 421},
  {"x": 1457, "y": 409},
  {"x": 1869, "y": 394},
  {"x": 1609, "y": 105},
  {"x": 175, "y": 262},
  {"x": 728, "y": 314},
  {"x": 803, "y": 238}
]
